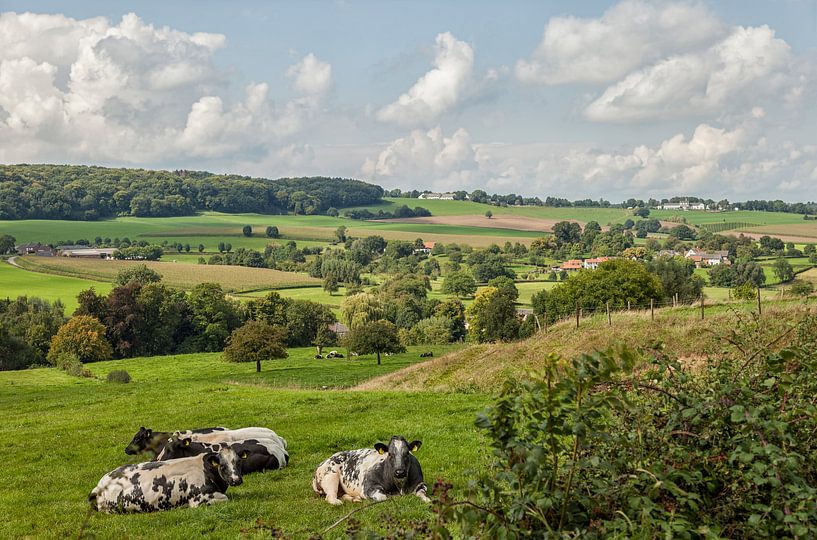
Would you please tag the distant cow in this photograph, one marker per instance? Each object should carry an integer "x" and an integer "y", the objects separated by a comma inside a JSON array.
[
  {"x": 160, "y": 485},
  {"x": 428, "y": 354},
  {"x": 318, "y": 357},
  {"x": 149, "y": 440},
  {"x": 371, "y": 473},
  {"x": 255, "y": 455},
  {"x": 334, "y": 354}
]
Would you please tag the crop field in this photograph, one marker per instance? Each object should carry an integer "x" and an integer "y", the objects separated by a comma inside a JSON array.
[
  {"x": 800, "y": 231},
  {"x": 183, "y": 275},
  {"x": 16, "y": 282},
  {"x": 740, "y": 216},
  {"x": 60, "y": 434}
]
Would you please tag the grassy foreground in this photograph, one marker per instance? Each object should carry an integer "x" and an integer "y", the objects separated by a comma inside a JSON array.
[{"x": 60, "y": 434}]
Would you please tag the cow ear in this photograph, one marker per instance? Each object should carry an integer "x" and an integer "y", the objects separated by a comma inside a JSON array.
[
  {"x": 415, "y": 445},
  {"x": 187, "y": 442},
  {"x": 213, "y": 459},
  {"x": 381, "y": 448},
  {"x": 148, "y": 432}
]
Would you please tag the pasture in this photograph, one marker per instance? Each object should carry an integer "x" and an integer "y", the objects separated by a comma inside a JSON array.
[
  {"x": 61, "y": 434},
  {"x": 179, "y": 274},
  {"x": 16, "y": 282}
]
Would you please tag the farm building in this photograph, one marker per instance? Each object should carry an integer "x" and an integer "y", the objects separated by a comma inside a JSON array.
[
  {"x": 592, "y": 264},
  {"x": 686, "y": 205},
  {"x": 88, "y": 253},
  {"x": 448, "y": 196},
  {"x": 572, "y": 265},
  {"x": 339, "y": 328},
  {"x": 702, "y": 258},
  {"x": 40, "y": 250}
]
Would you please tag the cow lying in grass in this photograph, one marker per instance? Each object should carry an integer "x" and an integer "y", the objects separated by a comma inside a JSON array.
[
  {"x": 232, "y": 435},
  {"x": 371, "y": 473},
  {"x": 147, "y": 440},
  {"x": 255, "y": 455},
  {"x": 160, "y": 485}
]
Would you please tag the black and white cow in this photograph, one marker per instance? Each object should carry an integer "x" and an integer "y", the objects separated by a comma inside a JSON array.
[
  {"x": 153, "y": 441},
  {"x": 231, "y": 435},
  {"x": 160, "y": 485},
  {"x": 255, "y": 455},
  {"x": 371, "y": 473}
]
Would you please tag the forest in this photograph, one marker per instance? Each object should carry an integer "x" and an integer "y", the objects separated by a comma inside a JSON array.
[{"x": 79, "y": 192}]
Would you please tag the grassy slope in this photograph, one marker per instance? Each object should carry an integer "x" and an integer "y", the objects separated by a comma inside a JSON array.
[
  {"x": 60, "y": 434},
  {"x": 16, "y": 282},
  {"x": 482, "y": 368}
]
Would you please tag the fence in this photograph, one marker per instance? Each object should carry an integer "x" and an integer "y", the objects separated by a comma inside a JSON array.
[{"x": 578, "y": 312}]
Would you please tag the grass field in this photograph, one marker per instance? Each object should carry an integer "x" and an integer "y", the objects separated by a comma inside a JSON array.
[
  {"x": 16, "y": 282},
  {"x": 183, "y": 275},
  {"x": 60, "y": 434}
]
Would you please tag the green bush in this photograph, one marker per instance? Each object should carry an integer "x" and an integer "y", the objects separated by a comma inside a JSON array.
[
  {"x": 594, "y": 448},
  {"x": 119, "y": 376},
  {"x": 70, "y": 364}
]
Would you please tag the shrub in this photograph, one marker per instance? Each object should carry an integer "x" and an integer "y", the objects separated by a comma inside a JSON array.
[
  {"x": 119, "y": 376},
  {"x": 81, "y": 338},
  {"x": 247, "y": 231},
  {"x": 70, "y": 364},
  {"x": 800, "y": 287}
]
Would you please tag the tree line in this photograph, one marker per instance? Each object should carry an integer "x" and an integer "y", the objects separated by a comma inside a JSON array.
[{"x": 78, "y": 192}]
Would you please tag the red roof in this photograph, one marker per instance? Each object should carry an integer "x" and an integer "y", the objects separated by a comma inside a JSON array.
[{"x": 573, "y": 264}]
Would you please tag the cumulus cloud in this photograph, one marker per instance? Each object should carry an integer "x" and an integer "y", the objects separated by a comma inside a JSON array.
[
  {"x": 626, "y": 36},
  {"x": 438, "y": 90},
  {"x": 749, "y": 63},
  {"x": 425, "y": 158},
  {"x": 131, "y": 92}
]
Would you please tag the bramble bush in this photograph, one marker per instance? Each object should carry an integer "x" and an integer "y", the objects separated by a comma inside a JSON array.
[{"x": 624, "y": 444}]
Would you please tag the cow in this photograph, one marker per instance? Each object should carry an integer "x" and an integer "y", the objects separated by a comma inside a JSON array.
[
  {"x": 153, "y": 441},
  {"x": 334, "y": 354},
  {"x": 371, "y": 473},
  {"x": 318, "y": 357},
  {"x": 232, "y": 435},
  {"x": 161, "y": 485},
  {"x": 255, "y": 455},
  {"x": 428, "y": 354}
]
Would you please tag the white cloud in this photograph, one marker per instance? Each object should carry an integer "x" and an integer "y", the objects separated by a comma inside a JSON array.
[
  {"x": 628, "y": 35},
  {"x": 425, "y": 158},
  {"x": 74, "y": 90},
  {"x": 748, "y": 64},
  {"x": 311, "y": 76},
  {"x": 438, "y": 90}
]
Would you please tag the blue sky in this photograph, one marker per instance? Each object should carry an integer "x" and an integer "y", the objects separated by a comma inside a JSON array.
[{"x": 576, "y": 99}]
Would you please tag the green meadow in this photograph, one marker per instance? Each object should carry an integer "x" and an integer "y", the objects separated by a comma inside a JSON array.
[
  {"x": 76, "y": 430},
  {"x": 16, "y": 282}
]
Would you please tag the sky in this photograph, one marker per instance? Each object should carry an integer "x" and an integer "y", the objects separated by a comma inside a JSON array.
[{"x": 543, "y": 98}]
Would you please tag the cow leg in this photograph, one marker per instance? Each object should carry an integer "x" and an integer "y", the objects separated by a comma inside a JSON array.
[
  {"x": 351, "y": 498},
  {"x": 378, "y": 496},
  {"x": 422, "y": 496},
  {"x": 216, "y": 498},
  {"x": 329, "y": 484}
]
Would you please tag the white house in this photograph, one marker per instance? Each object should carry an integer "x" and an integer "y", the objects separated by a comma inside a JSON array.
[
  {"x": 703, "y": 258},
  {"x": 448, "y": 196}
]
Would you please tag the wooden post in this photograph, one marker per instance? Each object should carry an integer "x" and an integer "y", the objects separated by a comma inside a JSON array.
[
  {"x": 536, "y": 318},
  {"x": 652, "y": 309},
  {"x": 609, "y": 319},
  {"x": 759, "y": 312},
  {"x": 702, "y": 307},
  {"x": 545, "y": 315},
  {"x": 628, "y": 305},
  {"x": 577, "y": 315},
  {"x": 729, "y": 294}
]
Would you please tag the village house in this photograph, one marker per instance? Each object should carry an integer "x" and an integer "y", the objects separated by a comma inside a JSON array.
[
  {"x": 426, "y": 249},
  {"x": 572, "y": 265},
  {"x": 339, "y": 328},
  {"x": 685, "y": 205},
  {"x": 704, "y": 259},
  {"x": 592, "y": 264}
]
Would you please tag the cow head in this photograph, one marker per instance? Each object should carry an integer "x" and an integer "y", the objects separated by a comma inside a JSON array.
[
  {"x": 398, "y": 458},
  {"x": 140, "y": 441},
  {"x": 180, "y": 447},
  {"x": 226, "y": 464}
]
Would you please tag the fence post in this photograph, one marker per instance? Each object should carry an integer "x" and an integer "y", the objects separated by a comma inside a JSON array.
[
  {"x": 577, "y": 315},
  {"x": 628, "y": 305},
  {"x": 652, "y": 309},
  {"x": 759, "y": 312},
  {"x": 545, "y": 315},
  {"x": 702, "y": 307},
  {"x": 609, "y": 319}
]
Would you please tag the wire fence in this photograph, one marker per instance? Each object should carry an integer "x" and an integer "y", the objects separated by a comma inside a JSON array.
[{"x": 611, "y": 310}]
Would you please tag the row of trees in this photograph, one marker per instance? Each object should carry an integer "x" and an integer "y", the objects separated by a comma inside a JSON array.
[
  {"x": 400, "y": 212},
  {"x": 90, "y": 193}
]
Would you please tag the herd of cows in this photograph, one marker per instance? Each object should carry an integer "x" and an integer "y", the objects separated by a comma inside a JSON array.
[{"x": 195, "y": 467}]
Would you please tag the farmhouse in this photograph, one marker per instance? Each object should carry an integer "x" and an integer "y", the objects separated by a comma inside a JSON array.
[
  {"x": 339, "y": 328},
  {"x": 592, "y": 264},
  {"x": 448, "y": 196},
  {"x": 686, "y": 205},
  {"x": 40, "y": 250},
  {"x": 426, "y": 249},
  {"x": 572, "y": 265},
  {"x": 702, "y": 258}
]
